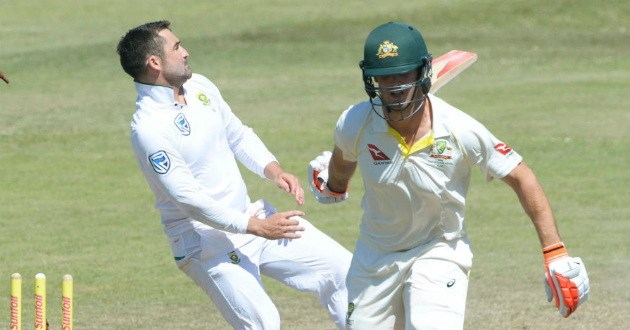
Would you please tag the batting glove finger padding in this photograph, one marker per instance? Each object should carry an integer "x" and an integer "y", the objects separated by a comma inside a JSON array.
[
  {"x": 318, "y": 178},
  {"x": 566, "y": 280}
]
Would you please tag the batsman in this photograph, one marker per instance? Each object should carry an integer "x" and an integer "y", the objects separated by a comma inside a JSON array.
[{"x": 416, "y": 154}]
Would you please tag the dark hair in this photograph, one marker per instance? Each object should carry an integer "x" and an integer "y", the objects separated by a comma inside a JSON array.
[{"x": 138, "y": 44}]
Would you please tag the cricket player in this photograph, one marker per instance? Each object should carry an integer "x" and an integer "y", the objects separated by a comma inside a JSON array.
[
  {"x": 186, "y": 140},
  {"x": 416, "y": 153}
]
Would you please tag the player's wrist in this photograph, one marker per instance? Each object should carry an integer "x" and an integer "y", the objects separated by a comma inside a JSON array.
[
  {"x": 335, "y": 191},
  {"x": 273, "y": 170},
  {"x": 253, "y": 226},
  {"x": 319, "y": 181},
  {"x": 554, "y": 252}
]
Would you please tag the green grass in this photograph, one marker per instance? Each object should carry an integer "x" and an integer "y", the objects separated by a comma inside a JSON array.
[{"x": 552, "y": 81}]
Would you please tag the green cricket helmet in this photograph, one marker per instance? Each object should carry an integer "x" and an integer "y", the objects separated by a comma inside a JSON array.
[{"x": 395, "y": 48}]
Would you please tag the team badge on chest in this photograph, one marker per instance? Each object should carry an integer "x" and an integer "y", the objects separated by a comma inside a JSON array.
[
  {"x": 203, "y": 98},
  {"x": 182, "y": 124},
  {"x": 441, "y": 153}
]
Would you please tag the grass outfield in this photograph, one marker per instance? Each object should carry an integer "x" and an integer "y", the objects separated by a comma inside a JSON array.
[{"x": 552, "y": 80}]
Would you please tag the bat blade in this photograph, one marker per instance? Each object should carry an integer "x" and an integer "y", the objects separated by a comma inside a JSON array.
[{"x": 448, "y": 66}]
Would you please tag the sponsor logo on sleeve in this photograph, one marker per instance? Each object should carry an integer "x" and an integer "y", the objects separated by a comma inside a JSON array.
[
  {"x": 160, "y": 162},
  {"x": 182, "y": 124},
  {"x": 503, "y": 149}
]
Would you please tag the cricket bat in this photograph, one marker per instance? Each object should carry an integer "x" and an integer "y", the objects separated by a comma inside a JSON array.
[{"x": 448, "y": 66}]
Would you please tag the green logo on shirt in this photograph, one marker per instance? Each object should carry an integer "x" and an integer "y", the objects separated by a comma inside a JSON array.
[
  {"x": 234, "y": 257},
  {"x": 203, "y": 98},
  {"x": 440, "y": 146},
  {"x": 350, "y": 310}
]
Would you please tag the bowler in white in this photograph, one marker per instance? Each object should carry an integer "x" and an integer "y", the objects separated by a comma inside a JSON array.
[{"x": 187, "y": 142}]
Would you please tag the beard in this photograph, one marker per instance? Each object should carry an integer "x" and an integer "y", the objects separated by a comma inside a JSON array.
[{"x": 179, "y": 76}]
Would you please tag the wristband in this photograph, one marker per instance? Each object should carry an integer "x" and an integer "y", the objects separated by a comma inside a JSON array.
[{"x": 554, "y": 252}]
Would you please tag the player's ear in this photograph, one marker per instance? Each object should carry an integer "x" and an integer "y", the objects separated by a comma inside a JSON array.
[{"x": 154, "y": 63}]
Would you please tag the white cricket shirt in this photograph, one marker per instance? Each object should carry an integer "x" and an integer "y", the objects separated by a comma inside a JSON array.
[
  {"x": 187, "y": 153},
  {"x": 415, "y": 195}
]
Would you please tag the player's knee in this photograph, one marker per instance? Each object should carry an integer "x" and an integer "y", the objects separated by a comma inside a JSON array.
[
  {"x": 260, "y": 319},
  {"x": 269, "y": 321}
]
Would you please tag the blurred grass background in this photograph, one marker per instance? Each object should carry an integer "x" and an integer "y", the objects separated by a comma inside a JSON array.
[{"x": 552, "y": 81}]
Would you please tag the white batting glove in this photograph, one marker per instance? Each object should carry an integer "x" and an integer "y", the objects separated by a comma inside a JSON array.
[
  {"x": 318, "y": 178},
  {"x": 566, "y": 279}
]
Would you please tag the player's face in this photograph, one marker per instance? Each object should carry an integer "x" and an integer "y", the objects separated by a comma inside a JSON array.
[
  {"x": 398, "y": 98},
  {"x": 175, "y": 65}
]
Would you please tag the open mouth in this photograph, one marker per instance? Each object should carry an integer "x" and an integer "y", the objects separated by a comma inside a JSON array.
[{"x": 397, "y": 96}]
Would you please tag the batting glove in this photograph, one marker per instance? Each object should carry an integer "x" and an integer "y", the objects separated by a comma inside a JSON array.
[
  {"x": 566, "y": 280},
  {"x": 318, "y": 178}
]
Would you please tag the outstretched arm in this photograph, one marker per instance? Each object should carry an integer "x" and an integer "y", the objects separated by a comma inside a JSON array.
[
  {"x": 566, "y": 280},
  {"x": 534, "y": 202}
]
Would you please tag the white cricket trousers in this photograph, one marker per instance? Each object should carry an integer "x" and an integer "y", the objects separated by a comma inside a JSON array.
[
  {"x": 313, "y": 263},
  {"x": 423, "y": 288}
]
